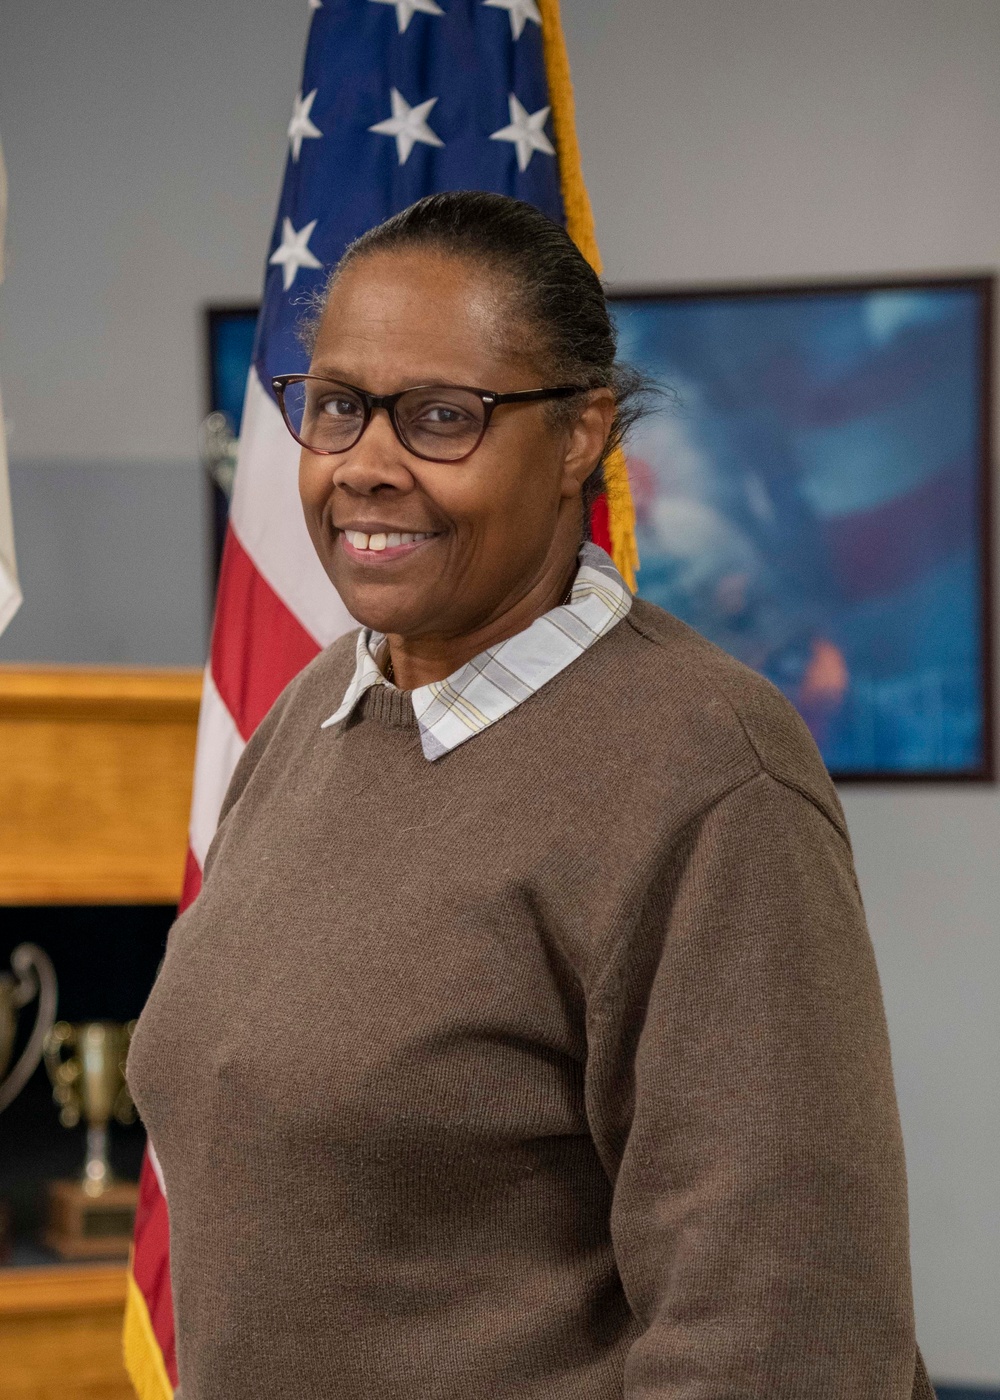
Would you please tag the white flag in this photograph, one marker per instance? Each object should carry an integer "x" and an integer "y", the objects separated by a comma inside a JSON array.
[{"x": 10, "y": 589}]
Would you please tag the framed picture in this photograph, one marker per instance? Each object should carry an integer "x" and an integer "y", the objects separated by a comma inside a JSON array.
[{"x": 813, "y": 495}]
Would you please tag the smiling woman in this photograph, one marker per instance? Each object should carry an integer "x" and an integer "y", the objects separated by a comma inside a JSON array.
[
  {"x": 451, "y": 294},
  {"x": 525, "y": 1039}
]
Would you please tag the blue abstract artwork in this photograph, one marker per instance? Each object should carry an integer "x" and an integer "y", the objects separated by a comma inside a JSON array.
[{"x": 811, "y": 496}]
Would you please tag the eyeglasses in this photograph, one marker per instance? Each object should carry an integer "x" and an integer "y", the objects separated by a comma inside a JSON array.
[{"x": 436, "y": 422}]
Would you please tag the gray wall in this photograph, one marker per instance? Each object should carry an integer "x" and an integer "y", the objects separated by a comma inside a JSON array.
[
  {"x": 721, "y": 141},
  {"x": 114, "y": 562},
  {"x": 144, "y": 146}
]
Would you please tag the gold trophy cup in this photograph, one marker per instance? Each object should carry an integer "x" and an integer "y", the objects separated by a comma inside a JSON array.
[{"x": 92, "y": 1216}]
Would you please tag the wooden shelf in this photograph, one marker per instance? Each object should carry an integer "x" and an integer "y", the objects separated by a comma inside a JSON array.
[
  {"x": 95, "y": 783},
  {"x": 61, "y": 1333},
  {"x": 57, "y": 1289},
  {"x": 102, "y": 693},
  {"x": 95, "y": 788}
]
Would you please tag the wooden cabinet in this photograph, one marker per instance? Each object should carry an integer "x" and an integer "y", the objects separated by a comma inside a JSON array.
[
  {"x": 61, "y": 1334},
  {"x": 95, "y": 788},
  {"x": 95, "y": 783}
]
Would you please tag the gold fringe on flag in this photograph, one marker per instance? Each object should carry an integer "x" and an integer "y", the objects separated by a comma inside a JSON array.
[
  {"x": 580, "y": 226},
  {"x": 143, "y": 1358}
]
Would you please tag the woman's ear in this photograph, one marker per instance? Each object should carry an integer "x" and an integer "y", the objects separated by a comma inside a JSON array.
[{"x": 587, "y": 438}]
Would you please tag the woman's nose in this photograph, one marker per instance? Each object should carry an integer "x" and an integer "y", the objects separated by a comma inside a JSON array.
[{"x": 378, "y": 458}]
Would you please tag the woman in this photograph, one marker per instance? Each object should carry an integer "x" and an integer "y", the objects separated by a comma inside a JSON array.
[{"x": 525, "y": 1039}]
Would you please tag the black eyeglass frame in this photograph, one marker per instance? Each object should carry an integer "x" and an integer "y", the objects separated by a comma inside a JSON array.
[{"x": 490, "y": 400}]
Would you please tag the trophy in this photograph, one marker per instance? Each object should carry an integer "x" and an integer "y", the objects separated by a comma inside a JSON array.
[
  {"x": 94, "y": 1215},
  {"x": 33, "y": 975}
]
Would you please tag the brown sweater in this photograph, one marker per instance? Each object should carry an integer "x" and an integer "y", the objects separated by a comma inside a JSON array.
[{"x": 555, "y": 1069}]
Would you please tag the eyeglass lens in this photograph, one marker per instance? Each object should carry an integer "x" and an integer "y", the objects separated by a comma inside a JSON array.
[{"x": 441, "y": 422}]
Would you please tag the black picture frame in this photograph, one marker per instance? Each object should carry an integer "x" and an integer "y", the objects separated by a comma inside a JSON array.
[{"x": 982, "y": 284}]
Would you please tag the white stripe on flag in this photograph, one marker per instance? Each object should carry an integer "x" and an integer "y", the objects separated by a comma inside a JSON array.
[
  {"x": 218, "y": 750},
  {"x": 267, "y": 515},
  {"x": 157, "y": 1169}
]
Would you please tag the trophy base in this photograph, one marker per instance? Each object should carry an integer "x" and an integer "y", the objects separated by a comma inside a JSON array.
[{"x": 90, "y": 1227}]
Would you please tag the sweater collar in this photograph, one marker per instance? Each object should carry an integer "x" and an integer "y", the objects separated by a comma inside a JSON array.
[{"x": 452, "y": 711}]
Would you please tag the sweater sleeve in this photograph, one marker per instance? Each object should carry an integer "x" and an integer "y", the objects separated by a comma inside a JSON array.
[{"x": 740, "y": 1092}]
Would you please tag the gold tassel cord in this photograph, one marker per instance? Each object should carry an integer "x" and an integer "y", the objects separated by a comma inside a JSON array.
[
  {"x": 143, "y": 1359},
  {"x": 580, "y": 226},
  {"x": 621, "y": 517},
  {"x": 576, "y": 201}
]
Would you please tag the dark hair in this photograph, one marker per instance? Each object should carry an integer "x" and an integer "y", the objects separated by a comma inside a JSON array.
[{"x": 554, "y": 287}]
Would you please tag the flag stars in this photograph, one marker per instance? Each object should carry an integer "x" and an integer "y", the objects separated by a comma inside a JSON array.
[
  {"x": 525, "y": 132},
  {"x": 406, "y": 9},
  {"x": 293, "y": 251},
  {"x": 408, "y": 125},
  {"x": 520, "y": 12},
  {"x": 301, "y": 127}
]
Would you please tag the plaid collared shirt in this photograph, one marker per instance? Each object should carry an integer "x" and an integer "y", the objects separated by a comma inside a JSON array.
[{"x": 496, "y": 681}]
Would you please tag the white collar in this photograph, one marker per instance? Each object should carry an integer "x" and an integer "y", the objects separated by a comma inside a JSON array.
[{"x": 451, "y": 711}]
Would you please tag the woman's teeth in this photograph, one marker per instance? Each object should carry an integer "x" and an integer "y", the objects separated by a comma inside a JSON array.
[{"x": 377, "y": 542}]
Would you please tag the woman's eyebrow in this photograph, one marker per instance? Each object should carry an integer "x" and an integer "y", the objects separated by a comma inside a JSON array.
[
  {"x": 327, "y": 371},
  {"x": 430, "y": 379}
]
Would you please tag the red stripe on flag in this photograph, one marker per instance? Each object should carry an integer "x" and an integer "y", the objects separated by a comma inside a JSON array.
[
  {"x": 258, "y": 644},
  {"x": 600, "y": 529},
  {"x": 151, "y": 1265},
  {"x": 192, "y": 881}
]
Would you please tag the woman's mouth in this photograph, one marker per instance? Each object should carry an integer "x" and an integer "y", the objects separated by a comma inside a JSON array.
[{"x": 376, "y": 548}]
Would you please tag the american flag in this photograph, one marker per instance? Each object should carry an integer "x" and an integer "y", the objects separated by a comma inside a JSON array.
[{"x": 399, "y": 99}]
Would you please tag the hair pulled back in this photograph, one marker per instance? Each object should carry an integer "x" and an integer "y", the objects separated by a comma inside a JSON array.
[{"x": 555, "y": 293}]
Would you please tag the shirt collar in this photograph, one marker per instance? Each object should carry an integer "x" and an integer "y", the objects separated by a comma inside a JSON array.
[{"x": 453, "y": 710}]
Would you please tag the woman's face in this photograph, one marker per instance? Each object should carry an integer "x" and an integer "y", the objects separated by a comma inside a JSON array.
[{"x": 499, "y": 523}]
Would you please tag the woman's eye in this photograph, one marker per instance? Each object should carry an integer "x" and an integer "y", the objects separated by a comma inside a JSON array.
[
  {"x": 443, "y": 413},
  {"x": 339, "y": 408}
]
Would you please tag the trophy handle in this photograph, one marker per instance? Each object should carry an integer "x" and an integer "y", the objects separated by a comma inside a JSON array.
[{"x": 35, "y": 973}]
